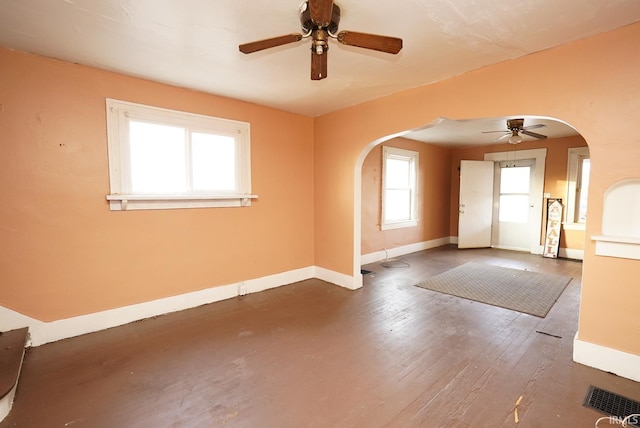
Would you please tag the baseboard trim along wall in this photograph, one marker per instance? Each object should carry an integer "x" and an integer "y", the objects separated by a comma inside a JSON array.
[
  {"x": 606, "y": 359},
  {"x": 568, "y": 253},
  {"x": 406, "y": 249},
  {"x": 44, "y": 332}
]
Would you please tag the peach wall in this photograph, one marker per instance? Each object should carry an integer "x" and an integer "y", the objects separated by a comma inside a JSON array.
[
  {"x": 591, "y": 84},
  {"x": 555, "y": 176},
  {"x": 433, "y": 196},
  {"x": 64, "y": 253}
]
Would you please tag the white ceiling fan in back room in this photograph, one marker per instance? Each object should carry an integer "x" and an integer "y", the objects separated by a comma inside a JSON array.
[{"x": 320, "y": 20}]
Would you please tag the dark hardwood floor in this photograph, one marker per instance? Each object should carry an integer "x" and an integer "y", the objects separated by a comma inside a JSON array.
[{"x": 316, "y": 355}]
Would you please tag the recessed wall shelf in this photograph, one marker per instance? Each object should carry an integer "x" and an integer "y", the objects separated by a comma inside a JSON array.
[{"x": 620, "y": 221}]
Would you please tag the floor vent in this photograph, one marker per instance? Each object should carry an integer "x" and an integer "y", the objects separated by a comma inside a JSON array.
[{"x": 612, "y": 404}]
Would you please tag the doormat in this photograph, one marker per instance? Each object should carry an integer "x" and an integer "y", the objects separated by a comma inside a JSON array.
[
  {"x": 613, "y": 405},
  {"x": 524, "y": 291}
]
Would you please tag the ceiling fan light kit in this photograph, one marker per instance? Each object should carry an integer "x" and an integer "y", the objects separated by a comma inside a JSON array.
[
  {"x": 320, "y": 20},
  {"x": 515, "y": 138}
]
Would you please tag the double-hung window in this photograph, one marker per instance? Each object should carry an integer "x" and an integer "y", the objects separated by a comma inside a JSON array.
[
  {"x": 161, "y": 159},
  {"x": 399, "y": 188},
  {"x": 578, "y": 171}
]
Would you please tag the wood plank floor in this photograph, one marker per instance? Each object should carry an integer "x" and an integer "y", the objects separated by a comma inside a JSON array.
[{"x": 316, "y": 355}]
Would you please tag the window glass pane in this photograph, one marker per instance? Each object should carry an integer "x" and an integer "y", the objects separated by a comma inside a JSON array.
[
  {"x": 398, "y": 173},
  {"x": 584, "y": 189},
  {"x": 213, "y": 162},
  {"x": 157, "y": 155},
  {"x": 515, "y": 179},
  {"x": 397, "y": 205},
  {"x": 514, "y": 208}
]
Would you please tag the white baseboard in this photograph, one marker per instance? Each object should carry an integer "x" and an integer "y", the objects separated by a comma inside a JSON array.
[
  {"x": 346, "y": 281},
  {"x": 45, "y": 332},
  {"x": 569, "y": 253},
  {"x": 566, "y": 253},
  {"x": 606, "y": 359},
  {"x": 405, "y": 249}
]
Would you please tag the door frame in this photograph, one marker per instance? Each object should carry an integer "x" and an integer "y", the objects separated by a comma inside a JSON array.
[
  {"x": 537, "y": 189},
  {"x": 496, "y": 232}
]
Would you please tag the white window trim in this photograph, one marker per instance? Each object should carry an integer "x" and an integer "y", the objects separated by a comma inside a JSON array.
[
  {"x": 573, "y": 169},
  {"x": 390, "y": 152},
  {"x": 120, "y": 198}
]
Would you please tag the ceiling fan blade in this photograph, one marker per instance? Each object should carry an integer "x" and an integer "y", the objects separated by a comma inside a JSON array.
[
  {"x": 376, "y": 42},
  {"x": 321, "y": 11},
  {"x": 533, "y": 134},
  {"x": 539, "y": 125},
  {"x": 491, "y": 132},
  {"x": 318, "y": 66},
  {"x": 505, "y": 136},
  {"x": 259, "y": 45}
]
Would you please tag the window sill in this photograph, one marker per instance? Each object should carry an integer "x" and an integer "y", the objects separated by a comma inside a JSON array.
[
  {"x": 618, "y": 246},
  {"x": 160, "y": 202},
  {"x": 398, "y": 225},
  {"x": 573, "y": 226}
]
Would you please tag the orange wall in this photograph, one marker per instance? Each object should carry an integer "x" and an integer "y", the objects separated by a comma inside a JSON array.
[
  {"x": 591, "y": 84},
  {"x": 433, "y": 198},
  {"x": 555, "y": 176},
  {"x": 64, "y": 253}
]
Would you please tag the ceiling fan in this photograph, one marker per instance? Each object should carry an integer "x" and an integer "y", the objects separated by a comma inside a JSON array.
[
  {"x": 515, "y": 127},
  {"x": 320, "y": 19}
]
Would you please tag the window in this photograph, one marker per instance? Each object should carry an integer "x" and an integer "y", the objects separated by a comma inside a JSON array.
[
  {"x": 514, "y": 194},
  {"x": 399, "y": 188},
  {"x": 161, "y": 159},
  {"x": 578, "y": 170}
]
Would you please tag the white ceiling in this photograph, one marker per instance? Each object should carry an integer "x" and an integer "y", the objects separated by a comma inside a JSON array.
[
  {"x": 194, "y": 43},
  {"x": 485, "y": 132}
]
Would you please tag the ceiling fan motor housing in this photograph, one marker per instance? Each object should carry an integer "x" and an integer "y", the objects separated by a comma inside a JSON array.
[
  {"x": 308, "y": 25},
  {"x": 515, "y": 124}
]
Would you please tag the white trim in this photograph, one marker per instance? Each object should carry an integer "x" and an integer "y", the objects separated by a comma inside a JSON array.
[
  {"x": 617, "y": 246},
  {"x": 346, "y": 281},
  {"x": 119, "y": 114},
  {"x": 413, "y": 159},
  {"x": 365, "y": 259},
  {"x": 537, "y": 190},
  {"x": 573, "y": 226},
  {"x": 149, "y": 202},
  {"x": 509, "y": 248},
  {"x": 570, "y": 253},
  {"x": 575, "y": 154},
  {"x": 45, "y": 332},
  {"x": 606, "y": 359}
]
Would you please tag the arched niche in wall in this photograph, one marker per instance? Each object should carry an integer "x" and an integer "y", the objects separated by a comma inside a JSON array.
[{"x": 620, "y": 221}]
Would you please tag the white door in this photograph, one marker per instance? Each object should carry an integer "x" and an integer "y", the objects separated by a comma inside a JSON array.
[
  {"x": 512, "y": 219},
  {"x": 476, "y": 204}
]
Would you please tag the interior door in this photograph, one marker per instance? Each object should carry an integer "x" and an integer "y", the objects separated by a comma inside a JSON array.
[{"x": 476, "y": 204}]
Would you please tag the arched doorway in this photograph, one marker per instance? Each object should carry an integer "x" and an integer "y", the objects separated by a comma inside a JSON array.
[{"x": 451, "y": 141}]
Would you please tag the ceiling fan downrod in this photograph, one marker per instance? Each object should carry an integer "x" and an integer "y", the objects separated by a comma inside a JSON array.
[{"x": 320, "y": 43}]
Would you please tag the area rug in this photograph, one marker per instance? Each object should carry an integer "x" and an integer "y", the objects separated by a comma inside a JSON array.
[{"x": 524, "y": 291}]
